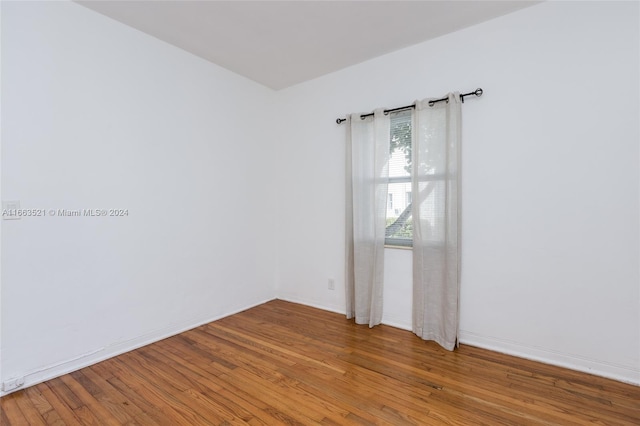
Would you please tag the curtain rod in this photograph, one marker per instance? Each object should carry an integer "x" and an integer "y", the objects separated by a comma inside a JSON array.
[{"x": 477, "y": 92}]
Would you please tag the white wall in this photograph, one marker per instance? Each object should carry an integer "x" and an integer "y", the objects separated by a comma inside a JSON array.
[
  {"x": 98, "y": 115},
  {"x": 550, "y": 185}
]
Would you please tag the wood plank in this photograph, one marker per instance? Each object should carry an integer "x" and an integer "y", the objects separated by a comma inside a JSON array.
[
  {"x": 114, "y": 400},
  {"x": 29, "y": 410},
  {"x": 48, "y": 413},
  {"x": 142, "y": 403},
  {"x": 156, "y": 390},
  {"x": 64, "y": 412},
  {"x": 209, "y": 386},
  {"x": 95, "y": 407},
  {"x": 10, "y": 409},
  {"x": 283, "y": 363}
]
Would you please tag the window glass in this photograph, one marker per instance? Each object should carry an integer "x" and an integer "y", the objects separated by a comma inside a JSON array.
[{"x": 399, "y": 231}]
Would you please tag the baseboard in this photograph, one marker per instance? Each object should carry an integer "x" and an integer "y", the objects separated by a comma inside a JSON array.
[
  {"x": 396, "y": 324},
  {"x": 104, "y": 353},
  {"x": 620, "y": 373},
  {"x": 616, "y": 372},
  {"x": 339, "y": 310},
  {"x": 307, "y": 302}
]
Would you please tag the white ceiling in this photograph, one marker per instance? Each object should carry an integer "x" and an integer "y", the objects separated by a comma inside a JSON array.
[{"x": 282, "y": 43}]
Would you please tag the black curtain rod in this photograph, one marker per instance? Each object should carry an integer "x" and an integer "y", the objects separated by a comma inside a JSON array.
[{"x": 477, "y": 92}]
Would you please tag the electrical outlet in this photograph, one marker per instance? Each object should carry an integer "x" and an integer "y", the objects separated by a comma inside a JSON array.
[
  {"x": 12, "y": 384},
  {"x": 332, "y": 284}
]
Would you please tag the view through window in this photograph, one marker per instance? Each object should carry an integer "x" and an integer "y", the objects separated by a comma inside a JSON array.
[{"x": 399, "y": 231}]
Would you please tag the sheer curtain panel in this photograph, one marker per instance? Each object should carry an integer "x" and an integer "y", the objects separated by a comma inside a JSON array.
[
  {"x": 436, "y": 220},
  {"x": 367, "y": 179}
]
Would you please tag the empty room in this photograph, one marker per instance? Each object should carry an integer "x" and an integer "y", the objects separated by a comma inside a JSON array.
[{"x": 320, "y": 212}]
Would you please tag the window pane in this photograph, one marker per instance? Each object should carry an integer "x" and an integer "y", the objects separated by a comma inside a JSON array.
[
  {"x": 399, "y": 214},
  {"x": 399, "y": 225}
]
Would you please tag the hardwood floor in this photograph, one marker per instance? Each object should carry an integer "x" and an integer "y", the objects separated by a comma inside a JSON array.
[{"x": 282, "y": 363}]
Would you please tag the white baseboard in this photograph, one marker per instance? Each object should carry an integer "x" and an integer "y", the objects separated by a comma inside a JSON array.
[
  {"x": 307, "y": 302},
  {"x": 573, "y": 362},
  {"x": 101, "y": 354},
  {"x": 396, "y": 324},
  {"x": 620, "y": 373},
  {"x": 294, "y": 299},
  {"x": 386, "y": 320}
]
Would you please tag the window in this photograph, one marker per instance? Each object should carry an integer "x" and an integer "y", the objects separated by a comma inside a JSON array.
[{"x": 399, "y": 231}]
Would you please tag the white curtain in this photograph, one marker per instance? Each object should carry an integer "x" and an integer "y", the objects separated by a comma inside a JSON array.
[
  {"x": 367, "y": 174},
  {"x": 436, "y": 220}
]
